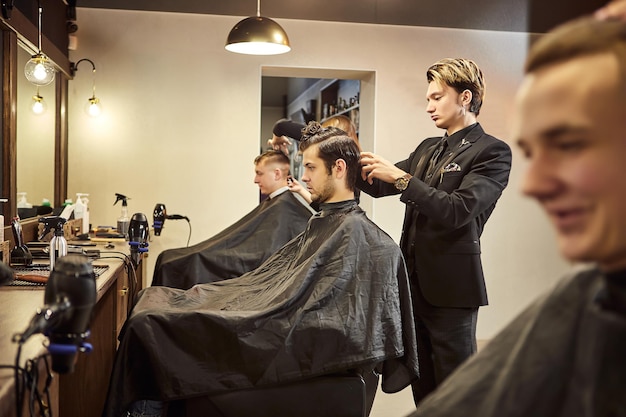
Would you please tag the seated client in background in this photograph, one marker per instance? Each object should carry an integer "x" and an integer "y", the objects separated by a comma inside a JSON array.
[
  {"x": 247, "y": 243},
  {"x": 334, "y": 298}
]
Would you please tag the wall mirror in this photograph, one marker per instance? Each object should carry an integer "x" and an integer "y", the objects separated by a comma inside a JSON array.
[
  {"x": 40, "y": 144},
  {"x": 305, "y": 99},
  {"x": 301, "y": 93},
  {"x": 35, "y": 139}
]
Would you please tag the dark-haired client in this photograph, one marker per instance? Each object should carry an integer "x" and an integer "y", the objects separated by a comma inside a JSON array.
[
  {"x": 565, "y": 355},
  {"x": 334, "y": 298}
]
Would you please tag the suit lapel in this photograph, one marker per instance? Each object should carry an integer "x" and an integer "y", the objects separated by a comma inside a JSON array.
[{"x": 454, "y": 152}]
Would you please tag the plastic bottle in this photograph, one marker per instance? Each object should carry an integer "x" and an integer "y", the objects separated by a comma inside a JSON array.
[
  {"x": 86, "y": 224},
  {"x": 81, "y": 211},
  {"x": 22, "y": 202},
  {"x": 79, "y": 207}
]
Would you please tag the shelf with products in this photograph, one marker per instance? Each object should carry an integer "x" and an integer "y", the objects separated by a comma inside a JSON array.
[{"x": 340, "y": 97}]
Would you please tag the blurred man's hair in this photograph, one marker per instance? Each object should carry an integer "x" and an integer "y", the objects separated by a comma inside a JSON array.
[{"x": 581, "y": 37}]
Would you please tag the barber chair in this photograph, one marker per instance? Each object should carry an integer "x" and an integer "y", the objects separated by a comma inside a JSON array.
[{"x": 347, "y": 394}]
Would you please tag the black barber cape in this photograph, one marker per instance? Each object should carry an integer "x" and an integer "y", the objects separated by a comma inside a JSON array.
[
  {"x": 564, "y": 356},
  {"x": 238, "y": 249},
  {"x": 334, "y": 298}
]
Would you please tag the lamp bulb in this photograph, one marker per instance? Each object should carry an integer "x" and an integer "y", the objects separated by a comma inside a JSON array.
[
  {"x": 39, "y": 70},
  {"x": 93, "y": 107},
  {"x": 38, "y": 106}
]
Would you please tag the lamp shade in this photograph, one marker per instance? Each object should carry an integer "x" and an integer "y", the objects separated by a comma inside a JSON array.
[
  {"x": 258, "y": 35},
  {"x": 39, "y": 70}
]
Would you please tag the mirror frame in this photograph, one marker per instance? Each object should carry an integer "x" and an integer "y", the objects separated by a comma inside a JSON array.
[{"x": 18, "y": 26}]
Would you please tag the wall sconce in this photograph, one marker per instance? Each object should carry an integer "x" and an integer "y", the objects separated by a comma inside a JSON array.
[
  {"x": 258, "y": 35},
  {"x": 39, "y": 69},
  {"x": 38, "y": 106},
  {"x": 93, "y": 107}
]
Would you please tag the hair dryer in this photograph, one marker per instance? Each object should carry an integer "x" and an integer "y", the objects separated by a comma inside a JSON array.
[
  {"x": 138, "y": 232},
  {"x": 70, "y": 296},
  {"x": 159, "y": 215}
]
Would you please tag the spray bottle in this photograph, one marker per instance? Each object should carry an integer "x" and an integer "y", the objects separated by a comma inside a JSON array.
[
  {"x": 81, "y": 211},
  {"x": 58, "y": 244},
  {"x": 123, "y": 221}
]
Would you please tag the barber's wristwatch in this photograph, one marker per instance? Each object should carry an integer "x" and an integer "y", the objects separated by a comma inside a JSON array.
[{"x": 403, "y": 182}]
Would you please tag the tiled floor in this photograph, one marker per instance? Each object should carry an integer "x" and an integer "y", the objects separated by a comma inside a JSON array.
[{"x": 399, "y": 404}]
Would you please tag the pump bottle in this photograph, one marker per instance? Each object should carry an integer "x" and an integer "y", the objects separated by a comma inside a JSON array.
[{"x": 22, "y": 202}]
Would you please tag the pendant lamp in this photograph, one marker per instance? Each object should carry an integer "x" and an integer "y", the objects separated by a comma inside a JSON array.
[
  {"x": 258, "y": 35},
  {"x": 39, "y": 69}
]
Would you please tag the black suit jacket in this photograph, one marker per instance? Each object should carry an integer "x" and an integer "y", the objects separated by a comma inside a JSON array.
[{"x": 447, "y": 215}]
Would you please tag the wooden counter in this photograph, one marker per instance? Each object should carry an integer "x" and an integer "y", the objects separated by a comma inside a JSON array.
[{"x": 81, "y": 393}]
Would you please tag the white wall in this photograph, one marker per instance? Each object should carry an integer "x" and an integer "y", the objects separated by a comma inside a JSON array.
[{"x": 181, "y": 126}]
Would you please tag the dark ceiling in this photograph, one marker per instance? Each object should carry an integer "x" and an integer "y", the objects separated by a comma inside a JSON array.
[
  {"x": 535, "y": 16},
  {"x": 502, "y": 15}
]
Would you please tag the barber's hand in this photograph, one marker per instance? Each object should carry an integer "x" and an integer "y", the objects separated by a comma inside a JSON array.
[
  {"x": 374, "y": 166},
  {"x": 614, "y": 10},
  {"x": 280, "y": 143},
  {"x": 296, "y": 187}
]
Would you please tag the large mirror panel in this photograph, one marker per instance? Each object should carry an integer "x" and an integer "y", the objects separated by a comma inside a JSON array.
[{"x": 35, "y": 140}]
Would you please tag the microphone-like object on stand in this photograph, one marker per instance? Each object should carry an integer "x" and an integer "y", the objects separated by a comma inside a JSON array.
[
  {"x": 159, "y": 215},
  {"x": 70, "y": 297},
  {"x": 138, "y": 233}
]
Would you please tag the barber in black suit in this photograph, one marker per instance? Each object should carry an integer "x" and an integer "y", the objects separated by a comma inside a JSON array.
[{"x": 450, "y": 186}]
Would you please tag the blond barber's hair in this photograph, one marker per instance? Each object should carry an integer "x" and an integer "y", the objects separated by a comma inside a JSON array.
[
  {"x": 460, "y": 74},
  {"x": 577, "y": 38}
]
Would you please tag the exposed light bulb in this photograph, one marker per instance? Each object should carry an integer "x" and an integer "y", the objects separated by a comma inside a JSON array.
[
  {"x": 93, "y": 107},
  {"x": 40, "y": 72},
  {"x": 38, "y": 106}
]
